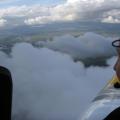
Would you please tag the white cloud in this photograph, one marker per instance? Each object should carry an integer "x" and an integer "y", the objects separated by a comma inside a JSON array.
[
  {"x": 48, "y": 85},
  {"x": 90, "y": 45},
  {"x": 110, "y": 19},
  {"x": 52, "y": 14},
  {"x": 47, "y": 19},
  {"x": 3, "y": 22},
  {"x": 71, "y": 10},
  {"x": 112, "y": 16},
  {"x": 38, "y": 20}
]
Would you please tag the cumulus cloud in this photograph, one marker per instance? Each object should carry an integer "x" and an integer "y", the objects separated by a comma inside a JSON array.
[
  {"x": 110, "y": 19},
  {"x": 3, "y": 22},
  {"x": 112, "y": 16},
  {"x": 49, "y": 85},
  {"x": 52, "y": 14},
  {"x": 90, "y": 45},
  {"x": 38, "y": 20},
  {"x": 82, "y": 10}
]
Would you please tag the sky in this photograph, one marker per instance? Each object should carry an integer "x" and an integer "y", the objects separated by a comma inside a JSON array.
[
  {"x": 7, "y": 3},
  {"x": 29, "y": 12}
]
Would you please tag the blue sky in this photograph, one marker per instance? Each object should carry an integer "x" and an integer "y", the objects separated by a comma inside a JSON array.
[{"x": 8, "y": 3}]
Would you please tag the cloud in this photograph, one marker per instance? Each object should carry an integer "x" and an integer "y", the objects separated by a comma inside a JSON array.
[
  {"x": 52, "y": 14},
  {"x": 38, "y": 20},
  {"x": 15, "y": 11},
  {"x": 3, "y": 22},
  {"x": 110, "y": 19},
  {"x": 50, "y": 85},
  {"x": 90, "y": 45},
  {"x": 80, "y": 10},
  {"x": 112, "y": 16}
]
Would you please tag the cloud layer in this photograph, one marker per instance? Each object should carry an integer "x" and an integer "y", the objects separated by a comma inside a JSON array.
[
  {"x": 90, "y": 45},
  {"x": 80, "y": 10},
  {"x": 48, "y": 85}
]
